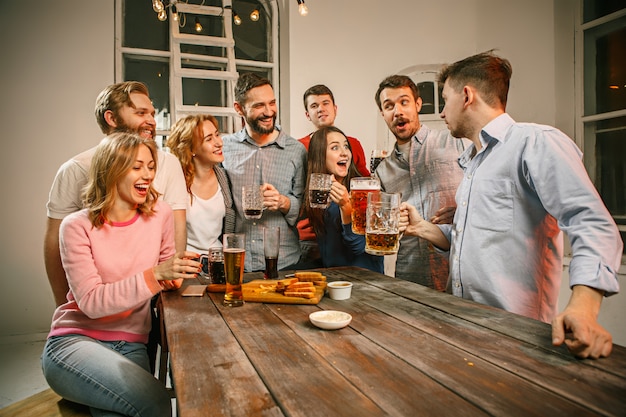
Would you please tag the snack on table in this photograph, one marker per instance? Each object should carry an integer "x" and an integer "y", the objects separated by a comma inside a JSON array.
[
  {"x": 300, "y": 289},
  {"x": 311, "y": 276}
]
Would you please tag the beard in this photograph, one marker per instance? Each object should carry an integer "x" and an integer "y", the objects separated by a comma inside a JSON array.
[
  {"x": 256, "y": 127},
  {"x": 123, "y": 127}
]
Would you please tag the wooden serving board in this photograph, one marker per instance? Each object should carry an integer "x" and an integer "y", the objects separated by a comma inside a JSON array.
[{"x": 252, "y": 292}]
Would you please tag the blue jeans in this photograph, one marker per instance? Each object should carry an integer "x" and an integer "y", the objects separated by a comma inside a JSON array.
[{"x": 112, "y": 378}]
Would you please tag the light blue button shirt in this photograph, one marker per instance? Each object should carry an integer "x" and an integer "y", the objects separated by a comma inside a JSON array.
[{"x": 523, "y": 187}]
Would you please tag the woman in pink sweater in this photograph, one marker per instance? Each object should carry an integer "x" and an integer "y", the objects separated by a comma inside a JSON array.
[{"x": 117, "y": 253}]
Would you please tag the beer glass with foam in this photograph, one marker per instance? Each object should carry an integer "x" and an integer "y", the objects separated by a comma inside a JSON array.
[
  {"x": 382, "y": 220},
  {"x": 234, "y": 255},
  {"x": 360, "y": 187}
]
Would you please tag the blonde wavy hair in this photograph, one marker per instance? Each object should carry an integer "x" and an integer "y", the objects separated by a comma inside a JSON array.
[{"x": 114, "y": 157}]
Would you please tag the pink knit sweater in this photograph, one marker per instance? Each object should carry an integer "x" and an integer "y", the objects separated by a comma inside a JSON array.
[{"x": 109, "y": 271}]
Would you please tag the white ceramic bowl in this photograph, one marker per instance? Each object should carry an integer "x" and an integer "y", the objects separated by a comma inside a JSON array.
[
  {"x": 339, "y": 290},
  {"x": 330, "y": 319}
]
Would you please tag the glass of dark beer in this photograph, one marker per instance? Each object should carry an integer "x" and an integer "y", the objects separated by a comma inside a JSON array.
[{"x": 271, "y": 248}]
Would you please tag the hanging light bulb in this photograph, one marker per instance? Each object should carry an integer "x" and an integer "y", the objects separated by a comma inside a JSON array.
[
  {"x": 198, "y": 25},
  {"x": 254, "y": 16},
  {"x": 162, "y": 15},
  {"x": 302, "y": 9},
  {"x": 236, "y": 18},
  {"x": 174, "y": 13},
  {"x": 157, "y": 5}
]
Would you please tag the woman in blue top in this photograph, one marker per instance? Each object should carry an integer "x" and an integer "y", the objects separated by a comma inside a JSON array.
[{"x": 330, "y": 153}]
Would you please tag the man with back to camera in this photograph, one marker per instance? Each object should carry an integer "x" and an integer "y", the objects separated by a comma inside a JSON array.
[
  {"x": 321, "y": 110},
  {"x": 423, "y": 167},
  {"x": 522, "y": 184},
  {"x": 123, "y": 106},
  {"x": 261, "y": 153}
]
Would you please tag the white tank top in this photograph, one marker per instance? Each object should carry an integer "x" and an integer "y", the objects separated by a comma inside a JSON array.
[{"x": 204, "y": 222}]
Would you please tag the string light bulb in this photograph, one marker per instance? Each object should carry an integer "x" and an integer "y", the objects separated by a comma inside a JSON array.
[
  {"x": 254, "y": 16},
  {"x": 162, "y": 16},
  {"x": 157, "y": 6},
  {"x": 174, "y": 13},
  {"x": 236, "y": 18},
  {"x": 198, "y": 25},
  {"x": 302, "y": 9}
]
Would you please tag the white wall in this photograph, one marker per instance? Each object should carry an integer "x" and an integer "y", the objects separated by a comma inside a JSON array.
[{"x": 52, "y": 72}]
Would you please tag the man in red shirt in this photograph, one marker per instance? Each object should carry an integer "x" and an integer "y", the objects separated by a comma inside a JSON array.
[{"x": 321, "y": 110}]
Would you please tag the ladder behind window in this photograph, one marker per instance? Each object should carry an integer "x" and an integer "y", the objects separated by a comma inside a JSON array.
[{"x": 227, "y": 60}]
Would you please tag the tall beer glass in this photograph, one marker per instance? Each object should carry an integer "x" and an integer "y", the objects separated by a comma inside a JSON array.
[
  {"x": 234, "y": 256},
  {"x": 383, "y": 218},
  {"x": 360, "y": 187}
]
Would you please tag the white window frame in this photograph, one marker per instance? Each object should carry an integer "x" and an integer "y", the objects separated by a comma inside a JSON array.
[{"x": 270, "y": 8}]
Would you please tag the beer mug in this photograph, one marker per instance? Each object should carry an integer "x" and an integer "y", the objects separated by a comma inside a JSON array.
[
  {"x": 319, "y": 190},
  {"x": 377, "y": 157},
  {"x": 360, "y": 187},
  {"x": 382, "y": 220},
  {"x": 252, "y": 201}
]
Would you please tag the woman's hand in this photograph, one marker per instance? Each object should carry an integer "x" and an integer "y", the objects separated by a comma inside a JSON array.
[{"x": 180, "y": 266}]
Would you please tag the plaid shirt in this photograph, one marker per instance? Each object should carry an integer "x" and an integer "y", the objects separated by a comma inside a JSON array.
[
  {"x": 428, "y": 181},
  {"x": 281, "y": 163}
]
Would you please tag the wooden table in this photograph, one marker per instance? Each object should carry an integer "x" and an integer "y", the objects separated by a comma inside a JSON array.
[{"x": 409, "y": 351}]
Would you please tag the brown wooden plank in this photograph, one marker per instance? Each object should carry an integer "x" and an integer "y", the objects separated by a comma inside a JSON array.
[
  {"x": 490, "y": 387},
  {"x": 301, "y": 380},
  {"x": 512, "y": 325},
  {"x": 397, "y": 387},
  {"x": 561, "y": 374},
  {"x": 46, "y": 403},
  {"x": 211, "y": 374}
]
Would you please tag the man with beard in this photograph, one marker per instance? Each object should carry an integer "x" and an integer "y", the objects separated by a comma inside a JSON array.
[
  {"x": 262, "y": 154},
  {"x": 127, "y": 107},
  {"x": 423, "y": 167}
]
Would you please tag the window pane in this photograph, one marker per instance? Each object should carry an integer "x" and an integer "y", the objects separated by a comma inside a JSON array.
[
  {"x": 142, "y": 29},
  {"x": 605, "y": 67},
  {"x": 594, "y": 9},
  {"x": 207, "y": 25},
  {"x": 155, "y": 73},
  {"x": 427, "y": 93},
  {"x": 252, "y": 38},
  {"x": 197, "y": 92},
  {"x": 610, "y": 136}
]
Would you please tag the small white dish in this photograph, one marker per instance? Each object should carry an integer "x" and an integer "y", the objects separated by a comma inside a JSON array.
[
  {"x": 339, "y": 290},
  {"x": 330, "y": 319}
]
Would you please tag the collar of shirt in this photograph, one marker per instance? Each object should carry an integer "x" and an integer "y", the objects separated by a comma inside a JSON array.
[
  {"x": 280, "y": 141},
  {"x": 492, "y": 132}
]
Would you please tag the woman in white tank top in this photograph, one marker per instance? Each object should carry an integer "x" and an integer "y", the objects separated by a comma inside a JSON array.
[{"x": 197, "y": 143}]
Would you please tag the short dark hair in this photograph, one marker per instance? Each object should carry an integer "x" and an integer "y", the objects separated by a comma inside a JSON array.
[
  {"x": 486, "y": 72},
  {"x": 318, "y": 90},
  {"x": 396, "y": 81},
  {"x": 247, "y": 82}
]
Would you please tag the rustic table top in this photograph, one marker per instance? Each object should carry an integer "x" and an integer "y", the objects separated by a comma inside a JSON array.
[{"x": 409, "y": 351}]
